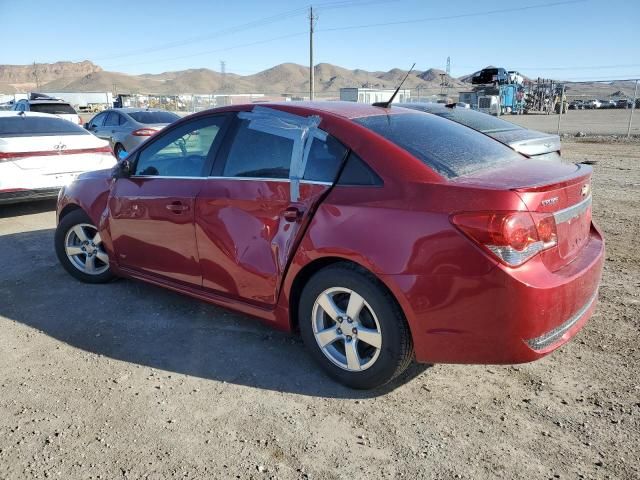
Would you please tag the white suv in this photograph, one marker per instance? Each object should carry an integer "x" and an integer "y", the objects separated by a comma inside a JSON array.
[{"x": 52, "y": 106}]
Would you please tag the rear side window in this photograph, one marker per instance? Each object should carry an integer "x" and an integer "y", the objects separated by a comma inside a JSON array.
[
  {"x": 53, "y": 108},
  {"x": 113, "y": 120},
  {"x": 258, "y": 154},
  {"x": 324, "y": 160},
  {"x": 356, "y": 172},
  {"x": 448, "y": 148},
  {"x": 153, "y": 117},
  {"x": 27, "y": 126}
]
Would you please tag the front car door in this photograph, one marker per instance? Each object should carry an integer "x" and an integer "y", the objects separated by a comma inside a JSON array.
[
  {"x": 95, "y": 124},
  {"x": 151, "y": 213},
  {"x": 266, "y": 183}
]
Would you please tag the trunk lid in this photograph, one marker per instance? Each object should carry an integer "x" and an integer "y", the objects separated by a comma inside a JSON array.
[
  {"x": 529, "y": 142},
  {"x": 52, "y": 154},
  {"x": 560, "y": 189}
]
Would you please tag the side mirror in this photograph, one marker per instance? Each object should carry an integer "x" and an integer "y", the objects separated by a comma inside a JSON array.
[
  {"x": 86, "y": 126},
  {"x": 122, "y": 154},
  {"x": 123, "y": 169}
]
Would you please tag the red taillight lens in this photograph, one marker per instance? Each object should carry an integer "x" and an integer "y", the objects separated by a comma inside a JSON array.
[
  {"x": 144, "y": 132},
  {"x": 513, "y": 237}
]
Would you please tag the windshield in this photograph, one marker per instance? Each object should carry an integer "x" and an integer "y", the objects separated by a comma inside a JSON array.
[
  {"x": 27, "y": 126},
  {"x": 447, "y": 147},
  {"x": 153, "y": 117},
  {"x": 53, "y": 108}
]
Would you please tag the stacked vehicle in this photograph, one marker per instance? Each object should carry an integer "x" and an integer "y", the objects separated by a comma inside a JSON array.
[{"x": 498, "y": 92}]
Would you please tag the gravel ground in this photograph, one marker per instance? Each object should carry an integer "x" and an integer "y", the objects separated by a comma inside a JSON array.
[
  {"x": 126, "y": 380},
  {"x": 591, "y": 122}
]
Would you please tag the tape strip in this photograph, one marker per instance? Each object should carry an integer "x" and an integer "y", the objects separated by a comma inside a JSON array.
[{"x": 302, "y": 130}]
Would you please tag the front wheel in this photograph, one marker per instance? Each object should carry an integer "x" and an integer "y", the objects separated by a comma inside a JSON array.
[
  {"x": 354, "y": 328},
  {"x": 80, "y": 249}
]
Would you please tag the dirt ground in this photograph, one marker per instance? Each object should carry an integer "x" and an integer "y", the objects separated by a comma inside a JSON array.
[
  {"x": 590, "y": 122},
  {"x": 126, "y": 380}
]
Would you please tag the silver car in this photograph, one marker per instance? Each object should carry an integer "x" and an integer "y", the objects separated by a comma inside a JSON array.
[
  {"x": 523, "y": 140},
  {"x": 126, "y": 128}
]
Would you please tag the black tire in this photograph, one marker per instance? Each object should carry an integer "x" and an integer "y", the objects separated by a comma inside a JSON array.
[
  {"x": 396, "y": 351},
  {"x": 68, "y": 222}
]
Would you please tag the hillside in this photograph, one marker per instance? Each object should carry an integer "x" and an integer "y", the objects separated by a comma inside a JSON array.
[{"x": 284, "y": 78}]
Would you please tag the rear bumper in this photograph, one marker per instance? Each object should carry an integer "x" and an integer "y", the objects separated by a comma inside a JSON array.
[
  {"x": 26, "y": 195},
  {"x": 502, "y": 317}
]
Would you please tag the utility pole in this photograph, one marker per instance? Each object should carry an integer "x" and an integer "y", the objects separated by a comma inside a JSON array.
[
  {"x": 633, "y": 107},
  {"x": 223, "y": 71},
  {"x": 312, "y": 90},
  {"x": 35, "y": 74}
]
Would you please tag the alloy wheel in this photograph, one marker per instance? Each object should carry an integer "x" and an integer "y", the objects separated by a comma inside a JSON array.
[
  {"x": 346, "y": 329},
  {"x": 84, "y": 249}
]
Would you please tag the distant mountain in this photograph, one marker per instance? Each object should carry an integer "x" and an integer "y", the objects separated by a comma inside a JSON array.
[
  {"x": 284, "y": 78},
  {"x": 45, "y": 72}
]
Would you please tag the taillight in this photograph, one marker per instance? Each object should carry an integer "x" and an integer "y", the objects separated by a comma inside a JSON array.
[
  {"x": 144, "y": 132},
  {"x": 513, "y": 237}
]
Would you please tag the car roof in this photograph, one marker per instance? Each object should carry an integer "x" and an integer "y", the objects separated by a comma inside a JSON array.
[
  {"x": 45, "y": 100},
  {"x": 15, "y": 113},
  {"x": 134, "y": 110},
  {"x": 348, "y": 110}
]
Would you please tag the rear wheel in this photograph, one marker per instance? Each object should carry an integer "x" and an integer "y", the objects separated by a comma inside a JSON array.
[
  {"x": 80, "y": 249},
  {"x": 353, "y": 327}
]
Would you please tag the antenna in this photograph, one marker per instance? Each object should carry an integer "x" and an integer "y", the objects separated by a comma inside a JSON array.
[{"x": 388, "y": 102}]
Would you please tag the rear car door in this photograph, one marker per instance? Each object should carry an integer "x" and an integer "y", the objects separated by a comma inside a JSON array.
[
  {"x": 267, "y": 181},
  {"x": 151, "y": 213}
]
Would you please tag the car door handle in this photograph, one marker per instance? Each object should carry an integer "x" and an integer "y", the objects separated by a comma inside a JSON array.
[
  {"x": 293, "y": 214},
  {"x": 177, "y": 207}
]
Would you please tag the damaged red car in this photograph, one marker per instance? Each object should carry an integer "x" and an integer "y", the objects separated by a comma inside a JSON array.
[{"x": 382, "y": 235}]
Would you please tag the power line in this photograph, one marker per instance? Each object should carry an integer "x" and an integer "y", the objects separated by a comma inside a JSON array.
[
  {"x": 453, "y": 17},
  {"x": 245, "y": 26},
  {"x": 251, "y": 44}
]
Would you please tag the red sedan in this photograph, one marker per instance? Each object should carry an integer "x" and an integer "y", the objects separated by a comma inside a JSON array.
[{"x": 381, "y": 234}]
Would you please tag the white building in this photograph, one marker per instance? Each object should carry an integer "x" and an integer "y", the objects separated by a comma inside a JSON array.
[{"x": 373, "y": 95}]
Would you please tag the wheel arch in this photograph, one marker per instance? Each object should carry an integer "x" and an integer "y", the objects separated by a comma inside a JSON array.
[
  {"x": 307, "y": 271},
  {"x": 67, "y": 210}
]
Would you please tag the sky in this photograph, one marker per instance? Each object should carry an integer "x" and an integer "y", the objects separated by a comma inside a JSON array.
[{"x": 568, "y": 40}]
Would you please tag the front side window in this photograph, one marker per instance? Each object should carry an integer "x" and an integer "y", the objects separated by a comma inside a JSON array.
[
  {"x": 182, "y": 152},
  {"x": 98, "y": 120},
  {"x": 254, "y": 153}
]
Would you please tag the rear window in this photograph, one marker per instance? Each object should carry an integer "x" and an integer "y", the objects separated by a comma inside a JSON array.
[
  {"x": 153, "y": 117},
  {"x": 448, "y": 148},
  {"x": 26, "y": 126},
  {"x": 477, "y": 120},
  {"x": 52, "y": 108}
]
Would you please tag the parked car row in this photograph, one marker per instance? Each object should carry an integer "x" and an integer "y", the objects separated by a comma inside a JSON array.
[{"x": 600, "y": 104}]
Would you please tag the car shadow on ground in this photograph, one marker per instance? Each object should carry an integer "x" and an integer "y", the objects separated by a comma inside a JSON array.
[
  {"x": 146, "y": 325},
  {"x": 27, "y": 208}
]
